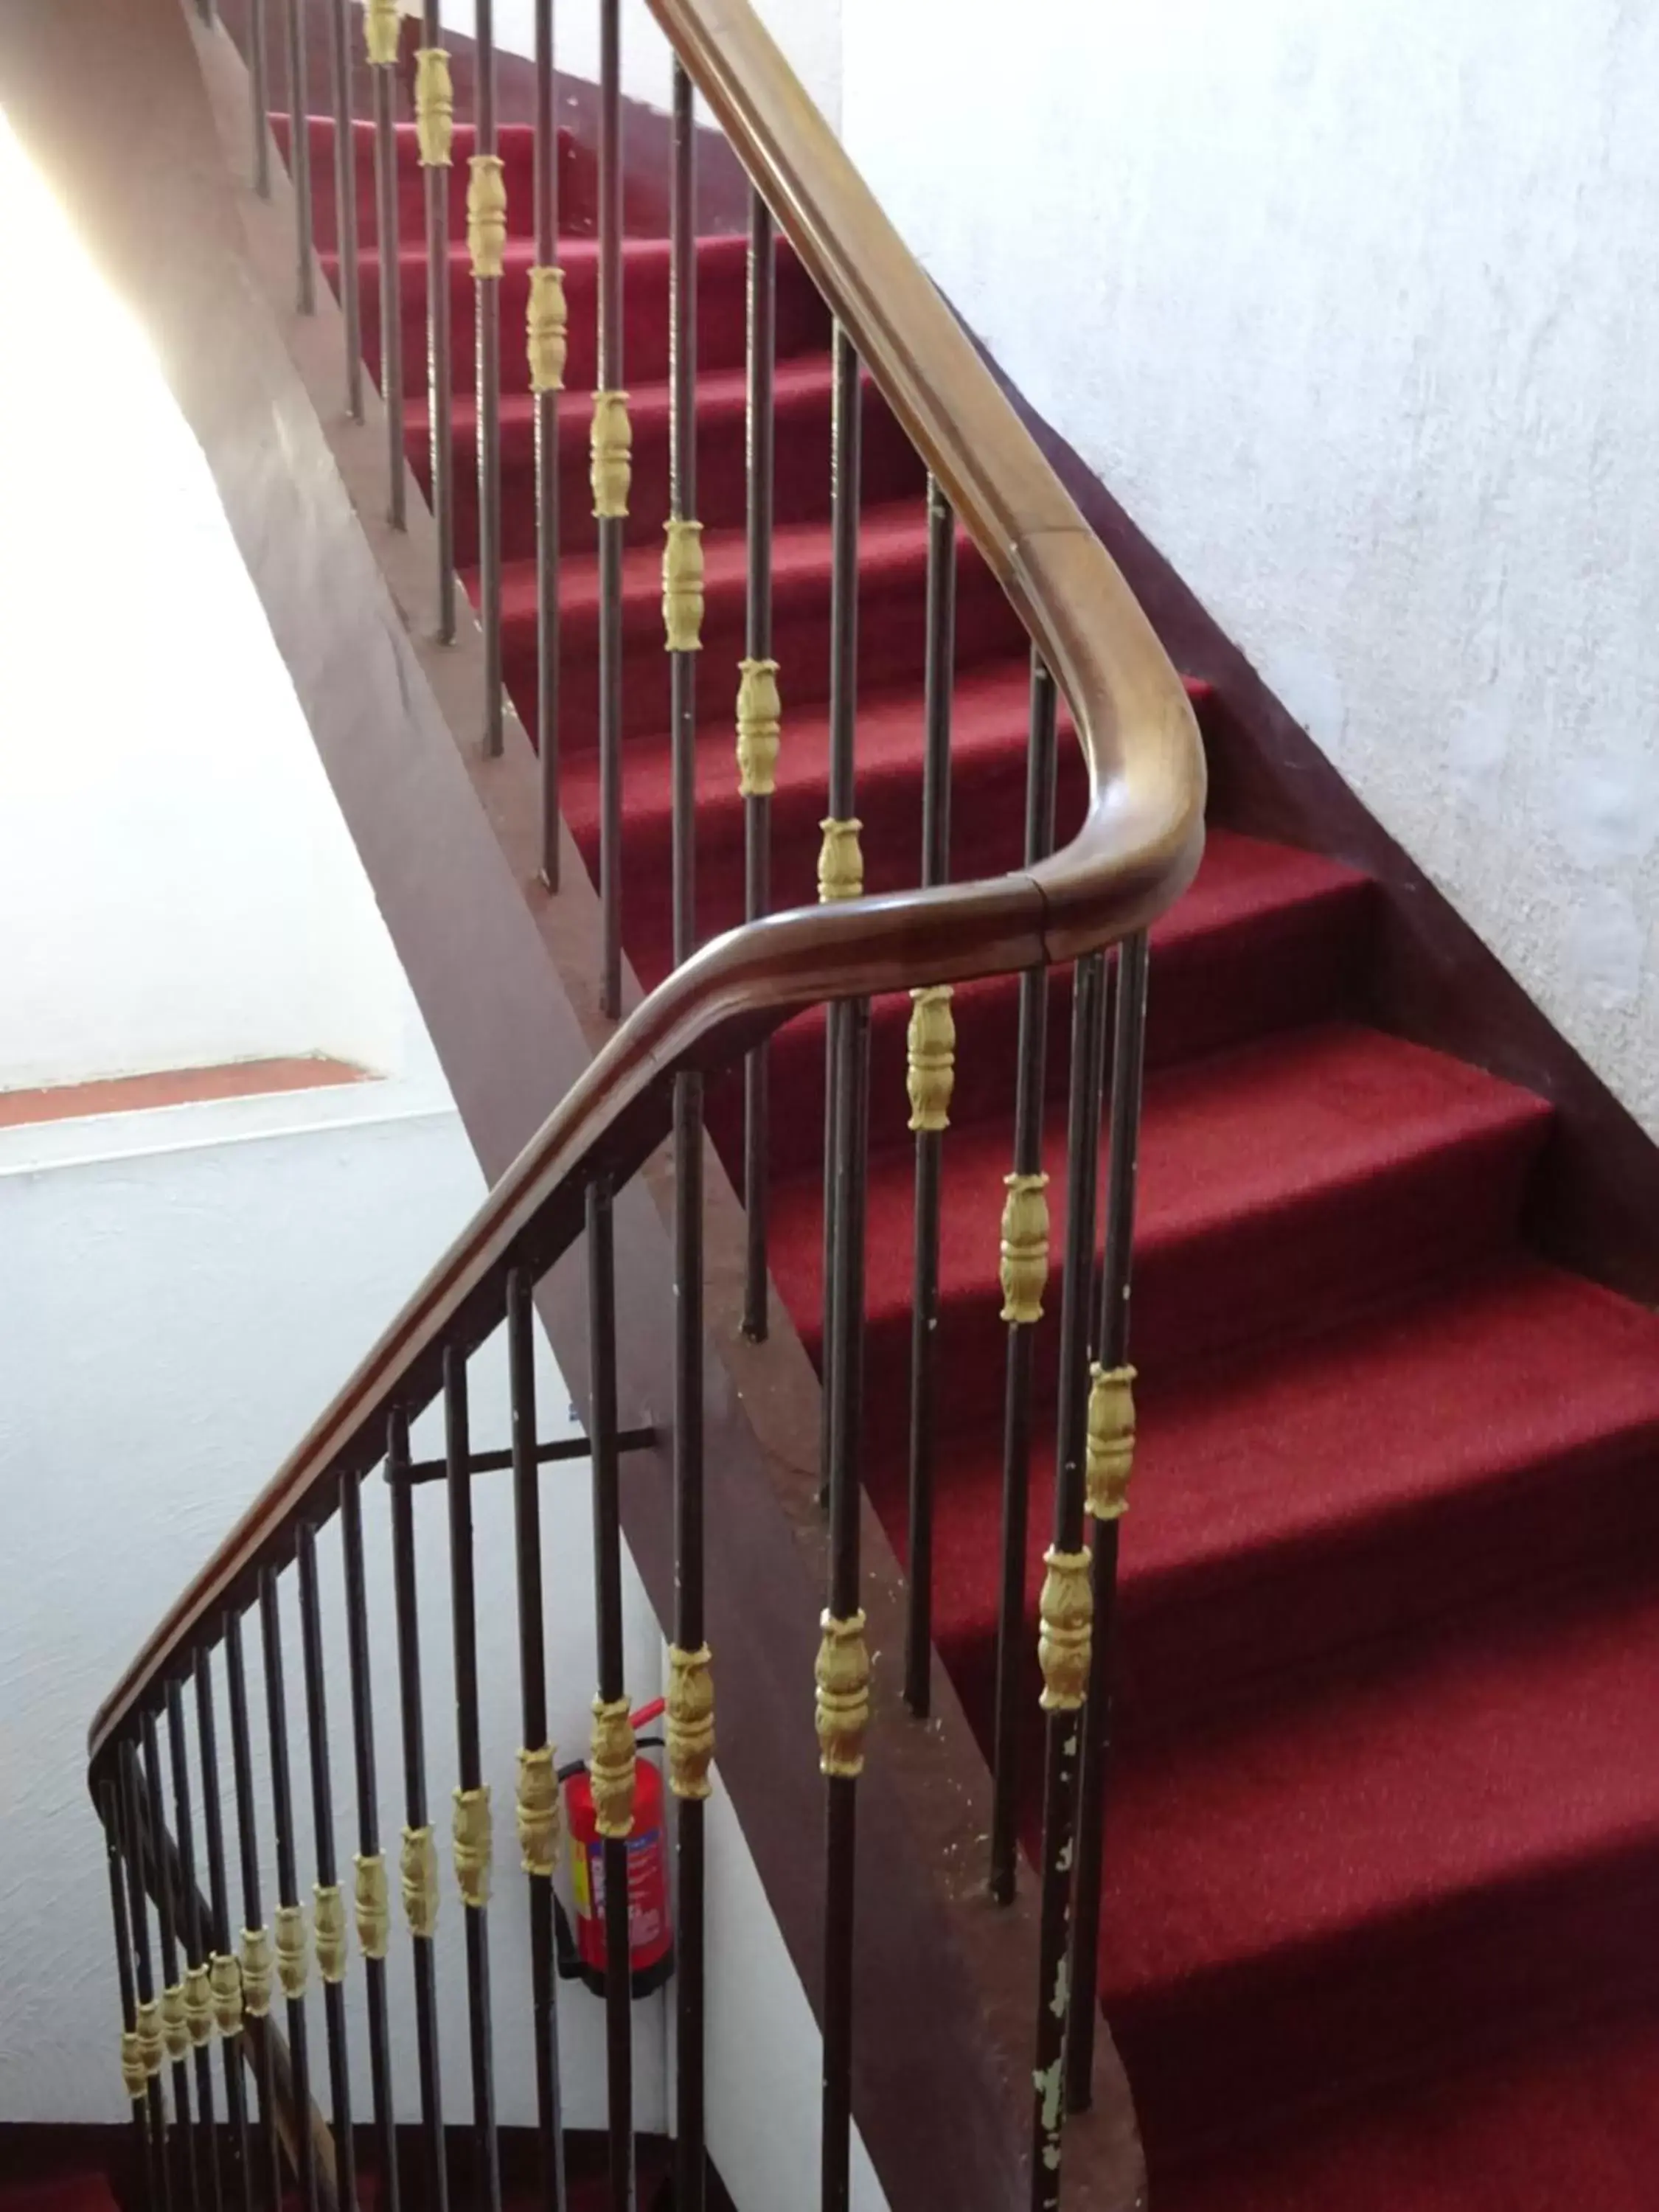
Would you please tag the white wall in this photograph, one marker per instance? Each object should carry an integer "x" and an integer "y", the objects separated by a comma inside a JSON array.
[
  {"x": 1357, "y": 310},
  {"x": 809, "y": 32}
]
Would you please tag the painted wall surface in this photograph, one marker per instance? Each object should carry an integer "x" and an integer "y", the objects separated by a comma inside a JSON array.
[
  {"x": 1357, "y": 311},
  {"x": 809, "y": 32}
]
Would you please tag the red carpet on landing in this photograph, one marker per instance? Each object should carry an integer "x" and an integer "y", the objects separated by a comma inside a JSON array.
[{"x": 1382, "y": 1927}]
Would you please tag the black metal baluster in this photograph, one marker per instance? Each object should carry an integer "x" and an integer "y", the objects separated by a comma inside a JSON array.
[
  {"x": 840, "y": 869},
  {"x": 259, "y": 97},
  {"x": 291, "y": 1962},
  {"x": 1111, "y": 1448},
  {"x": 682, "y": 580},
  {"x": 148, "y": 2010},
  {"x": 612, "y": 1764},
  {"x": 486, "y": 229},
  {"x": 198, "y": 1999},
  {"x": 135, "y": 2080},
  {"x": 345, "y": 204},
  {"x": 473, "y": 1846},
  {"x": 224, "y": 1973},
  {"x": 328, "y": 1908},
  {"x": 547, "y": 346},
  {"x": 610, "y": 483},
  {"x": 932, "y": 1070},
  {"x": 1066, "y": 1606},
  {"x": 434, "y": 118},
  {"x": 419, "y": 1855},
  {"x": 373, "y": 1916},
  {"x": 758, "y": 719},
  {"x": 298, "y": 158},
  {"x": 844, "y": 1667},
  {"x": 538, "y": 1801},
  {"x": 1025, "y": 1211},
  {"x": 256, "y": 1947},
  {"x": 174, "y": 2024},
  {"x": 381, "y": 31}
]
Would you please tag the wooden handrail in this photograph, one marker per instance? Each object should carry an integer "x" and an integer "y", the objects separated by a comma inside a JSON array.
[{"x": 1135, "y": 852}]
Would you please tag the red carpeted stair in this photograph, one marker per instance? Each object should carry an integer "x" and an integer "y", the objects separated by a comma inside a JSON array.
[{"x": 1384, "y": 1840}]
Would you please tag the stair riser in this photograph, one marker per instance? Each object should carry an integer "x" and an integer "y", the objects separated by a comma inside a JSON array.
[
  {"x": 517, "y": 151},
  {"x": 891, "y": 471}
]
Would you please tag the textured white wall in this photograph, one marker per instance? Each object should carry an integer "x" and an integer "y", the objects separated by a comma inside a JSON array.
[{"x": 1357, "y": 310}]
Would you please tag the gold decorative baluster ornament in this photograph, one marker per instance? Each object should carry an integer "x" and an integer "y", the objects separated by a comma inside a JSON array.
[
  {"x": 380, "y": 31},
  {"x": 538, "y": 1811},
  {"x": 473, "y": 1845},
  {"x": 691, "y": 1729},
  {"x": 547, "y": 325},
  {"x": 133, "y": 2075},
  {"x": 486, "y": 215},
  {"x": 256, "y": 1972},
  {"x": 842, "y": 1675},
  {"x": 760, "y": 722},
  {"x": 147, "y": 2026},
  {"x": 330, "y": 1928},
  {"x": 930, "y": 1075},
  {"x": 175, "y": 2028},
  {"x": 681, "y": 584},
  {"x": 612, "y": 468},
  {"x": 370, "y": 1906},
  {"x": 1025, "y": 1247},
  {"x": 293, "y": 1961},
  {"x": 1111, "y": 1440},
  {"x": 198, "y": 2006},
  {"x": 435, "y": 106},
  {"x": 1067, "y": 1611},
  {"x": 841, "y": 861},
  {"x": 417, "y": 1866},
  {"x": 225, "y": 1979},
  {"x": 611, "y": 1769}
]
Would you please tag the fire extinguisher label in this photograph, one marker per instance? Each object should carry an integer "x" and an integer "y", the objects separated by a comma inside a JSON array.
[{"x": 647, "y": 1902}]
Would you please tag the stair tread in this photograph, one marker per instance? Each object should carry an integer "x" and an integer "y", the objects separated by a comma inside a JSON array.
[{"x": 719, "y": 390}]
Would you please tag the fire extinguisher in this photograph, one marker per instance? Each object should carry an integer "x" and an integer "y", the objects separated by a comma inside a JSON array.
[{"x": 650, "y": 1926}]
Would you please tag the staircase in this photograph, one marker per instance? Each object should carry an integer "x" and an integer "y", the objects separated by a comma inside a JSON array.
[{"x": 1381, "y": 1839}]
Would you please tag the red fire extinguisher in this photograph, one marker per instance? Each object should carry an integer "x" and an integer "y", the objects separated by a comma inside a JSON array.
[{"x": 650, "y": 1927}]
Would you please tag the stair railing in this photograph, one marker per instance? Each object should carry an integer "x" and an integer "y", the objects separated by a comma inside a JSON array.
[{"x": 182, "y": 1977}]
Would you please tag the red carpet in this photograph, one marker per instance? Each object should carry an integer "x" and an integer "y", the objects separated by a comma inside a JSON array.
[{"x": 1383, "y": 1838}]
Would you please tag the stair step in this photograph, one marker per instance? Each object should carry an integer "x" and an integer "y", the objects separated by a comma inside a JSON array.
[
  {"x": 1388, "y": 1869},
  {"x": 1352, "y": 1488},
  {"x": 802, "y": 391},
  {"x": 892, "y": 609},
  {"x": 1283, "y": 1185},
  {"x": 515, "y": 144}
]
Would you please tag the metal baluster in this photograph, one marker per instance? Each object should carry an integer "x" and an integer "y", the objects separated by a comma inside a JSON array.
[
  {"x": 435, "y": 125},
  {"x": 611, "y": 1763},
  {"x": 329, "y": 1921},
  {"x": 611, "y": 473},
  {"x": 843, "y": 1665},
  {"x": 1066, "y": 1606},
  {"x": 298, "y": 158},
  {"x": 173, "y": 2026},
  {"x": 472, "y": 1838},
  {"x": 259, "y": 96},
  {"x": 372, "y": 1910},
  {"x": 547, "y": 347},
  {"x": 682, "y": 570},
  {"x": 1111, "y": 1453},
  {"x": 486, "y": 235},
  {"x": 135, "y": 2078},
  {"x": 255, "y": 1943},
  {"x": 198, "y": 1999},
  {"x": 1024, "y": 1265},
  {"x": 225, "y": 1975},
  {"x": 931, "y": 1056},
  {"x": 291, "y": 1962},
  {"x": 419, "y": 1858},
  {"x": 758, "y": 728},
  {"x": 345, "y": 204},
  {"x": 381, "y": 20},
  {"x": 538, "y": 1788},
  {"x": 840, "y": 865},
  {"x": 147, "y": 2013}
]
